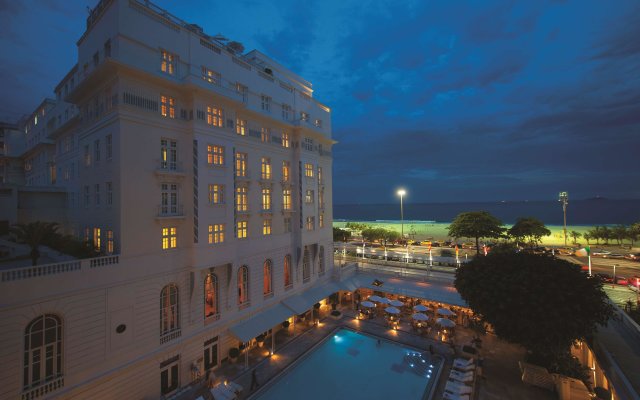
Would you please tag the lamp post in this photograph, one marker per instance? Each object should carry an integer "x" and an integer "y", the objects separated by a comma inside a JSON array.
[
  {"x": 401, "y": 193},
  {"x": 564, "y": 199}
]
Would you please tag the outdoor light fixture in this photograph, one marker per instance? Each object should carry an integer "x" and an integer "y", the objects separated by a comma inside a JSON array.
[
  {"x": 563, "y": 198},
  {"x": 401, "y": 193}
]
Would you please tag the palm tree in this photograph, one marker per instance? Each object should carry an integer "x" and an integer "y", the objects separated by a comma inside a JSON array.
[
  {"x": 586, "y": 237},
  {"x": 575, "y": 235},
  {"x": 34, "y": 234}
]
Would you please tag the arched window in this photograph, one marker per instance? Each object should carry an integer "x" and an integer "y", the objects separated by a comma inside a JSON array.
[
  {"x": 243, "y": 285},
  {"x": 210, "y": 295},
  {"x": 306, "y": 267},
  {"x": 287, "y": 271},
  {"x": 321, "y": 259},
  {"x": 267, "y": 287},
  {"x": 169, "y": 321},
  {"x": 43, "y": 352}
]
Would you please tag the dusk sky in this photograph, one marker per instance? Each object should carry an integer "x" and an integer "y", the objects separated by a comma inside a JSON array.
[{"x": 453, "y": 100}]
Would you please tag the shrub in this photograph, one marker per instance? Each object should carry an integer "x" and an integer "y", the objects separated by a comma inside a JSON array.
[{"x": 234, "y": 352}]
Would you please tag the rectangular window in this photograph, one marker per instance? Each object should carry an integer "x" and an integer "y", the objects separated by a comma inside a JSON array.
[
  {"x": 216, "y": 233},
  {"x": 286, "y": 199},
  {"x": 308, "y": 198},
  {"x": 319, "y": 174},
  {"x": 321, "y": 198},
  {"x": 241, "y": 126},
  {"x": 321, "y": 220},
  {"x": 211, "y": 76},
  {"x": 265, "y": 168},
  {"x": 168, "y": 154},
  {"x": 214, "y": 116},
  {"x": 109, "y": 242},
  {"x": 169, "y": 238},
  {"x": 286, "y": 112},
  {"x": 243, "y": 91},
  {"x": 241, "y": 230},
  {"x": 308, "y": 170},
  {"x": 266, "y": 199},
  {"x": 96, "y": 147},
  {"x": 211, "y": 353},
  {"x": 87, "y": 156},
  {"x": 241, "y": 164},
  {"x": 215, "y": 155},
  {"x": 168, "y": 62},
  {"x": 307, "y": 144},
  {"x": 169, "y": 377},
  {"x": 286, "y": 171},
  {"x": 97, "y": 196},
  {"x": 109, "y": 144},
  {"x": 286, "y": 140},
  {"x": 97, "y": 245},
  {"x": 241, "y": 199},
  {"x": 86, "y": 196},
  {"x": 109, "y": 190},
  {"x": 169, "y": 199},
  {"x": 266, "y": 227},
  {"x": 266, "y": 103},
  {"x": 168, "y": 106},
  {"x": 265, "y": 134},
  {"x": 311, "y": 223},
  {"x": 216, "y": 194}
]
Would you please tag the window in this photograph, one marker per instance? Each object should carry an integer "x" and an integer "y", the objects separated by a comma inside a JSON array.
[
  {"x": 42, "y": 354},
  {"x": 216, "y": 194},
  {"x": 287, "y": 225},
  {"x": 86, "y": 196},
  {"x": 267, "y": 278},
  {"x": 243, "y": 91},
  {"x": 169, "y": 321},
  {"x": 96, "y": 147},
  {"x": 241, "y": 230},
  {"x": 306, "y": 266},
  {"x": 266, "y": 227},
  {"x": 169, "y": 375},
  {"x": 266, "y": 199},
  {"x": 288, "y": 282},
  {"x": 214, "y": 116},
  {"x": 311, "y": 223},
  {"x": 308, "y": 198},
  {"x": 266, "y": 103},
  {"x": 265, "y": 134},
  {"x": 169, "y": 199},
  {"x": 321, "y": 220},
  {"x": 168, "y": 106},
  {"x": 211, "y": 353},
  {"x": 97, "y": 245},
  {"x": 321, "y": 198},
  {"x": 109, "y": 242},
  {"x": 286, "y": 171},
  {"x": 216, "y": 233},
  {"x": 286, "y": 140},
  {"x": 286, "y": 199},
  {"x": 87, "y": 156},
  {"x": 107, "y": 48},
  {"x": 169, "y": 238},
  {"x": 241, "y": 164},
  {"x": 109, "y": 188},
  {"x": 243, "y": 285},
  {"x": 286, "y": 112},
  {"x": 308, "y": 170},
  {"x": 266, "y": 168},
  {"x": 97, "y": 196},
  {"x": 304, "y": 116},
  {"x": 210, "y": 296},
  {"x": 215, "y": 155},
  {"x": 168, "y": 62},
  {"x": 211, "y": 76},
  {"x": 241, "y": 126},
  {"x": 321, "y": 260},
  {"x": 307, "y": 144},
  {"x": 109, "y": 146},
  {"x": 319, "y": 174},
  {"x": 241, "y": 199},
  {"x": 169, "y": 154}
]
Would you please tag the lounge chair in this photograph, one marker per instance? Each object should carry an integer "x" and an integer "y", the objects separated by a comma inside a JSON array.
[
  {"x": 461, "y": 376},
  {"x": 452, "y": 396},
  {"x": 462, "y": 362},
  {"x": 457, "y": 388}
]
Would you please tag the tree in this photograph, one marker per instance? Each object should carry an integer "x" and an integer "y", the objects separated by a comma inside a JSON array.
[
  {"x": 35, "y": 234},
  {"x": 381, "y": 234},
  {"x": 619, "y": 233},
  {"x": 341, "y": 235},
  {"x": 587, "y": 236},
  {"x": 576, "y": 235},
  {"x": 605, "y": 233},
  {"x": 594, "y": 234},
  {"x": 633, "y": 232},
  {"x": 528, "y": 229},
  {"x": 476, "y": 224},
  {"x": 540, "y": 302}
]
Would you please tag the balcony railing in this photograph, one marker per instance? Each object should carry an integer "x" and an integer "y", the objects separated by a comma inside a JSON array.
[
  {"x": 169, "y": 168},
  {"x": 169, "y": 336},
  {"x": 43, "y": 389},
  {"x": 170, "y": 211},
  {"x": 21, "y": 273}
]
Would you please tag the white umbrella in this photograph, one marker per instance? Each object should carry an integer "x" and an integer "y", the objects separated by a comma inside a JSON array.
[
  {"x": 420, "y": 317},
  {"x": 445, "y": 311},
  {"x": 421, "y": 308},
  {"x": 367, "y": 304},
  {"x": 375, "y": 298},
  {"x": 384, "y": 300},
  {"x": 445, "y": 323},
  {"x": 396, "y": 303},
  {"x": 392, "y": 310}
]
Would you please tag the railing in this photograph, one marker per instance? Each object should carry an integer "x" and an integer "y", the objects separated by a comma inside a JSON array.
[
  {"x": 43, "y": 389},
  {"x": 288, "y": 287},
  {"x": 22, "y": 273},
  {"x": 167, "y": 167},
  {"x": 170, "y": 211},
  {"x": 167, "y": 337},
  {"x": 244, "y": 305}
]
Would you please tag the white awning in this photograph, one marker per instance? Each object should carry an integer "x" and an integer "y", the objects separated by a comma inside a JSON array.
[
  {"x": 302, "y": 302},
  {"x": 260, "y": 322}
]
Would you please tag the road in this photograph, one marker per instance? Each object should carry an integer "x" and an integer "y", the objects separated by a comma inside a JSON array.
[{"x": 624, "y": 267}]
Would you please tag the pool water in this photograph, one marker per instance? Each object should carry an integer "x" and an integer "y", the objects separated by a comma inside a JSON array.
[{"x": 351, "y": 365}]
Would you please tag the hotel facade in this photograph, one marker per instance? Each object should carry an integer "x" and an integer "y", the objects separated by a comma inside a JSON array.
[{"x": 202, "y": 176}]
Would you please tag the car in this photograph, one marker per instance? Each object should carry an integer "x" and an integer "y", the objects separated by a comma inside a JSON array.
[
  {"x": 600, "y": 253},
  {"x": 613, "y": 255},
  {"x": 633, "y": 256},
  {"x": 566, "y": 251},
  {"x": 621, "y": 280},
  {"x": 634, "y": 282},
  {"x": 605, "y": 278}
]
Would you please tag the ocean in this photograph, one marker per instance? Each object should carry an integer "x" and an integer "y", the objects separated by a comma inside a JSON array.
[{"x": 579, "y": 212}]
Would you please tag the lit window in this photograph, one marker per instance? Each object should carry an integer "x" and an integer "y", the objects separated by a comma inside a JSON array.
[
  {"x": 243, "y": 285},
  {"x": 168, "y": 63},
  {"x": 216, "y": 194},
  {"x": 288, "y": 282},
  {"x": 267, "y": 273},
  {"x": 311, "y": 223},
  {"x": 216, "y": 233},
  {"x": 308, "y": 170},
  {"x": 214, "y": 116},
  {"x": 320, "y": 175},
  {"x": 286, "y": 171},
  {"x": 210, "y": 295},
  {"x": 109, "y": 242},
  {"x": 169, "y": 238},
  {"x": 241, "y": 229},
  {"x": 266, "y": 227},
  {"x": 97, "y": 245},
  {"x": 266, "y": 168},
  {"x": 241, "y": 199},
  {"x": 266, "y": 199},
  {"x": 286, "y": 140},
  {"x": 308, "y": 198},
  {"x": 42, "y": 355},
  {"x": 241, "y": 126},
  {"x": 169, "y": 321},
  {"x": 168, "y": 106},
  {"x": 215, "y": 155},
  {"x": 265, "y": 134},
  {"x": 211, "y": 76},
  {"x": 168, "y": 154},
  {"x": 321, "y": 198},
  {"x": 266, "y": 103},
  {"x": 321, "y": 220},
  {"x": 241, "y": 164},
  {"x": 286, "y": 199}
]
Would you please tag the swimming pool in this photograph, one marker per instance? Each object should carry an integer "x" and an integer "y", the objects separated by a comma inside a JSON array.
[{"x": 352, "y": 365}]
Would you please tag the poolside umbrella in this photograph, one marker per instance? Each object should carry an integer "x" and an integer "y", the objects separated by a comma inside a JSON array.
[
  {"x": 384, "y": 300},
  {"x": 375, "y": 298},
  {"x": 445, "y": 323},
  {"x": 420, "y": 308},
  {"x": 367, "y": 304},
  {"x": 445, "y": 311},
  {"x": 392, "y": 310},
  {"x": 420, "y": 317},
  {"x": 396, "y": 303}
]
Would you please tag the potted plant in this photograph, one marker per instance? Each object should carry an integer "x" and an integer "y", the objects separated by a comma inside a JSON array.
[
  {"x": 334, "y": 301},
  {"x": 233, "y": 354},
  {"x": 316, "y": 306},
  {"x": 286, "y": 324},
  {"x": 260, "y": 340}
]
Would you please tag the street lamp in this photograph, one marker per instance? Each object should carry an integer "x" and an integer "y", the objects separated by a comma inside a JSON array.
[
  {"x": 564, "y": 199},
  {"x": 401, "y": 193}
]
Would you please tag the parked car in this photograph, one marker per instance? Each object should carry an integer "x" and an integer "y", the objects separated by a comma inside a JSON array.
[
  {"x": 605, "y": 278},
  {"x": 633, "y": 256},
  {"x": 599, "y": 252},
  {"x": 566, "y": 251},
  {"x": 621, "y": 280},
  {"x": 613, "y": 255},
  {"x": 634, "y": 282}
]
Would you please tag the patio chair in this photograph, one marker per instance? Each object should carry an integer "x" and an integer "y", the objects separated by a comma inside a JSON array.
[
  {"x": 457, "y": 388},
  {"x": 462, "y": 362},
  {"x": 461, "y": 376},
  {"x": 452, "y": 396}
]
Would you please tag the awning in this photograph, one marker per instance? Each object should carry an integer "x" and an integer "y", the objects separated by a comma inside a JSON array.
[
  {"x": 260, "y": 322},
  {"x": 302, "y": 302}
]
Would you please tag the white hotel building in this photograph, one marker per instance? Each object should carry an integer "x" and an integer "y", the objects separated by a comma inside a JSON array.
[{"x": 202, "y": 174}]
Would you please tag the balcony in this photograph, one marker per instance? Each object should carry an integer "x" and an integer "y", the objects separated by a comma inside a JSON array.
[
  {"x": 243, "y": 175},
  {"x": 169, "y": 336},
  {"x": 166, "y": 168},
  {"x": 170, "y": 211}
]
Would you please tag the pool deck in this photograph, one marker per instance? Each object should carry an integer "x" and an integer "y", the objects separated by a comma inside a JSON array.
[{"x": 501, "y": 373}]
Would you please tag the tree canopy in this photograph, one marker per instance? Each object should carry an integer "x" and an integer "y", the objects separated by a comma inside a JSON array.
[
  {"x": 341, "y": 235},
  {"x": 529, "y": 230},
  {"x": 538, "y": 301},
  {"x": 383, "y": 235},
  {"x": 476, "y": 224}
]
